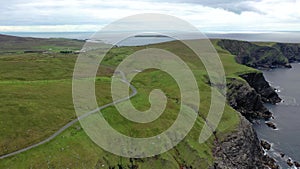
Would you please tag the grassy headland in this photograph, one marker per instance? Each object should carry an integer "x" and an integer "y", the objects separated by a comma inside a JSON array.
[{"x": 36, "y": 100}]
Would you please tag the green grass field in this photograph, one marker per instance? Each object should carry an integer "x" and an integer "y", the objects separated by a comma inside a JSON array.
[{"x": 36, "y": 100}]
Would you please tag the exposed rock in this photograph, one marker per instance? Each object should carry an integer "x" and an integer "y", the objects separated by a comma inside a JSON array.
[
  {"x": 270, "y": 162},
  {"x": 265, "y": 145},
  {"x": 271, "y": 125},
  {"x": 246, "y": 100},
  {"x": 282, "y": 155},
  {"x": 289, "y": 162},
  {"x": 297, "y": 164},
  {"x": 240, "y": 150},
  {"x": 290, "y": 51},
  {"x": 261, "y": 86},
  {"x": 288, "y": 66}
]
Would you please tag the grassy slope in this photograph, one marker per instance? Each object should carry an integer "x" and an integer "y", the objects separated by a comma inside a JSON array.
[
  {"x": 40, "y": 107},
  {"x": 18, "y": 44}
]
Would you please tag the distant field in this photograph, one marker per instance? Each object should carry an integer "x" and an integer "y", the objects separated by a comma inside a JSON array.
[
  {"x": 36, "y": 100},
  {"x": 20, "y": 44}
]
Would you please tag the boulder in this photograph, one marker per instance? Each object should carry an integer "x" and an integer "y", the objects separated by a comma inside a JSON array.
[
  {"x": 289, "y": 162},
  {"x": 271, "y": 125},
  {"x": 270, "y": 162},
  {"x": 297, "y": 164},
  {"x": 265, "y": 145}
]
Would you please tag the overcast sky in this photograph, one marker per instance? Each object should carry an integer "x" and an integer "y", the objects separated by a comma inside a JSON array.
[{"x": 207, "y": 15}]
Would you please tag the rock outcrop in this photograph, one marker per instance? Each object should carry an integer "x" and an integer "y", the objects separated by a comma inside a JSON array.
[
  {"x": 257, "y": 81},
  {"x": 265, "y": 145},
  {"x": 249, "y": 97},
  {"x": 271, "y": 125},
  {"x": 297, "y": 164},
  {"x": 290, "y": 51},
  {"x": 246, "y": 100},
  {"x": 241, "y": 150}
]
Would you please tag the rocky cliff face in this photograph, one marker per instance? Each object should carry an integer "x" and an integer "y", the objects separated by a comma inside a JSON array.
[
  {"x": 246, "y": 100},
  {"x": 249, "y": 97},
  {"x": 240, "y": 150},
  {"x": 274, "y": 56},
  {"x": 254, "y": 55},
  {"x": 290, "y": 51},
  {"x": 258, "y": 82}
]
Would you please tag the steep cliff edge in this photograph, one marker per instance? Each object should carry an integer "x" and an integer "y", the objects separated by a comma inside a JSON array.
[
  {"x": 246, "y": 100},
  {"x": 247, "y": 94},
  {"x": 257, "y": 81},
  {"x": 289, "y": 50},
  {"x": 241, "y": 150},
  {"x": 248, "y": 97},
  {"x": 264, "y": 55}
]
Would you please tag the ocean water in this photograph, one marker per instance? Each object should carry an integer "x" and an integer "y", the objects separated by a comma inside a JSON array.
[
  {"x": 131, "y": 41},
  {"x": 286, "y": 114},
  {"x": 287, "y": 37},
  {"x": 138, "y": 41}
]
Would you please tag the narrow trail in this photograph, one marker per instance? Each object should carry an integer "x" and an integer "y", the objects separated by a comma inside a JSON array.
[{"x": 124, "y": 80}]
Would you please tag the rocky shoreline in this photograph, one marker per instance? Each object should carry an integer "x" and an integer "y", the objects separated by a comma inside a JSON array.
[{"x": 243, "y": 149}]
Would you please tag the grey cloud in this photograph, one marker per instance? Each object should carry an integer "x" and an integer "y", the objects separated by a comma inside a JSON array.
[
  {"x": 236, "y": 6},
  {"x": 18, "y": 13},
  {"x": 15, "y": 13}
]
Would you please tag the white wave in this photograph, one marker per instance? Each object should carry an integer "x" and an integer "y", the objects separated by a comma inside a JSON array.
[{"x": 288, "y": 101}]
